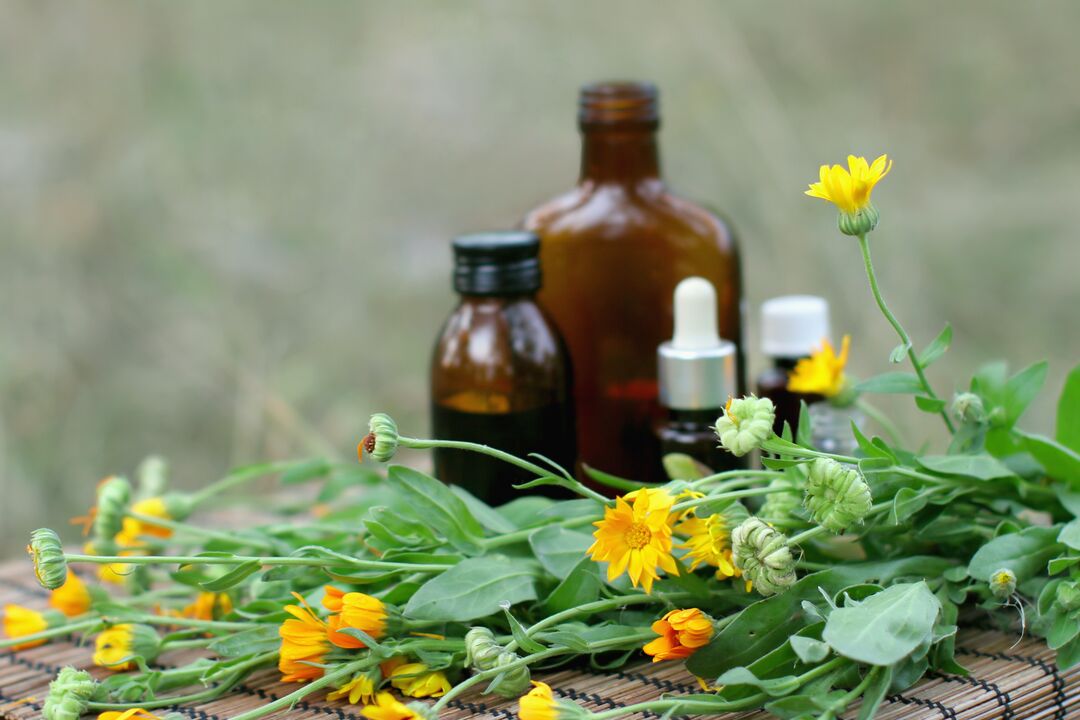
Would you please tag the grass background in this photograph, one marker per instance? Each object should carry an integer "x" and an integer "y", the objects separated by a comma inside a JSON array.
[{"x": 224, "y": 226}]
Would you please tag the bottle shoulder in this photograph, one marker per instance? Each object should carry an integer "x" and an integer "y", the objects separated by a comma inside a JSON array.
[{"x": 497, "y": 332}]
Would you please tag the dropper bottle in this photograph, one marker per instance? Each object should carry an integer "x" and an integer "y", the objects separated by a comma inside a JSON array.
[{"x": 697, "y": 374}]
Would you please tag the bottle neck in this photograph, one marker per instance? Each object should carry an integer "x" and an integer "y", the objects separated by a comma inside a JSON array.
[
  {"x": 624, "y": 155},
  {"x": 786, "y": 363}
]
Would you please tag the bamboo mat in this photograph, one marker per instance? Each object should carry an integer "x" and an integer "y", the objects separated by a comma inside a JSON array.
[{"x": 1005, "y": 682}]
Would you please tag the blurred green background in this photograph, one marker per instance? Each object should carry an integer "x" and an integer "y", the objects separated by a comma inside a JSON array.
[{"x": 224, "y": 226}]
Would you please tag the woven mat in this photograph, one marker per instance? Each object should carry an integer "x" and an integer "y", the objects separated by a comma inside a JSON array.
[{"x": 1005, "y": 681}]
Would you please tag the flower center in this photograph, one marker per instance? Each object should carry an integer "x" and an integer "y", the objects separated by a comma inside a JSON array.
[{"x": 638, "y": 536}]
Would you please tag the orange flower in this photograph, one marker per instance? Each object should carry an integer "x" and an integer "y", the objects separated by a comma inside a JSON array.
[
  {"x": 681, "y": 633},
  {"x": 72, "y": 598},
  {"x": 20, "y": 621},
  {"x": 636, "y": 538},
  {"x": 353, "y": 610},
  {"x": 208, "y": 606},
  {"x": 132, "y": 714},
  {"x": 303, "y": 641}
]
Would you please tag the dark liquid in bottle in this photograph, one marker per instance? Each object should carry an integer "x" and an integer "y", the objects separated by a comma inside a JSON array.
[
  {"x": 492, "y": 479},
  {"x": 773, "y": 385}
]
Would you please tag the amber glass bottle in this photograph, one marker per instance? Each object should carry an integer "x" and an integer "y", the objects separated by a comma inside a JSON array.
[
  {"x": 614, "y": 248},
  {"x": 499, "y": 372}
]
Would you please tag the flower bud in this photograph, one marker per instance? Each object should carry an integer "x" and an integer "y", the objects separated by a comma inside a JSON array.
[
  {"x": 859, "y": 222},
  {"x": 113, "y": 496},
  {"x": 483, "y": 653},
  {"x": 178, "y": 506},
  {"x": 763, "y": 555},
  {"x": 1003, "y": 584},
  {"x": 50, "y": 565},
  {"x": 836, "y": 495},
  {"x": 745, "y": 424},
  {"x": 69, "y": 695},
  {"x": 117, "y": 647},
  {"x": 968, "y": 408},
  {"x": 381, "y": 442},
  {"x": 1068, "y": 596},
  {"x": 781, "y": 503}
]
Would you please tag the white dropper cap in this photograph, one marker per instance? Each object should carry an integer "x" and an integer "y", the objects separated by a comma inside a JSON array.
[
  {"x": 696, "y": 367},
  {"x": 793, "y": 326},
  {"x": 695, "y": 315}
]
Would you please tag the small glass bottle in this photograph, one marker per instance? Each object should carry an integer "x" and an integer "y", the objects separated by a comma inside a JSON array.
[
  {"x": 499, "y": 371},
  {"x": 792, "y": 326},
  {"x": 697, "y": 374}
]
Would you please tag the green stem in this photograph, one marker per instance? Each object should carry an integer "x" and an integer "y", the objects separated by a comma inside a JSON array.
[
  {"x": 882, "y": 420},
  {"x": 820, "y": 530},
  {"x": 741, "y": 477},
  {"x": 670, "y": 707},
  {"x": 239, "y": 559},
  {"x": 294, "y": 697},
  {"x": 522, "y": 535},
  {"x": 238, "y": 478},
  {"x": 904, "y": 338},
  {"x": 180, "y": 527},
  {"x": 694, "y": 502},
  {"x": 51, "y": 632},
  {"x": 540, "y": 472},
  {"x": 782, "y": 447}
]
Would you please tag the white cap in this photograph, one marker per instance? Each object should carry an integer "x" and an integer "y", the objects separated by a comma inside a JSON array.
[
  {"x": 695, "y": 315},
  {"x": 696, "y": 369},
  {"x": 793, "y": 326}
]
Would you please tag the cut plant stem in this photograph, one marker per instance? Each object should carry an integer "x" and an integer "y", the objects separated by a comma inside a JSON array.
[{"x": 240, "y": 559}]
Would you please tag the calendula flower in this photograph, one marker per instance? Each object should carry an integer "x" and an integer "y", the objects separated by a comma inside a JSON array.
[
  {"x": 837, "y": 496},
  {"x": 483, "y": 653},
  {"x": 303, "y": 641},
  {"x": 763, "y": 555},
  {"x": 849, "y": 190},
  {"x": 681, "y": 633},
  {"x": 539, "y": 703},
  {"x": 415, "y": 680},
  {"x": 209, "y": 606},
  {"x": 353, "y": 610},
  {"x": 50, "y": 564},
  {"x": 131, "y": 714},
  {"x": 21, "y": 621},
  {"x": 72, "y": 598},
  {"x": 382, "y": 439},
  {"x": 387, "y": 707},
  {"x": 115, "y": 573},
  {"x": 1003, "y": 584},
  {"x": 823, "y": 372},
  {"x": 69, "y": 695},
  {"x": 133, "y": 529},
  {"x": 636, "y": 538},
  {"x": 116, "y": 647},
  {"x": 708, "y": 543},
  {"x": 746, "y": 424},
  {"x": 360, "y": 689}
]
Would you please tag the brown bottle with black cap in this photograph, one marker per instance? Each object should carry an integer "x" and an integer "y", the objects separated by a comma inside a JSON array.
[{"x": 499, "y": 372}]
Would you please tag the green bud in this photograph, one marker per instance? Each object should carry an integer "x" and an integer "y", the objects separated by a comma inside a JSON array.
[
  {"x": 50, "y": 564},
  {"x": 746, "y": 424},
  {"x": 763, "y": 555},
  {"x": 483, "y": 653},
  {"x": 1003, "y": 583},
  {"x": 837, "y": 496},
  {"x": 780, "y": 504},
  {"x": 69, "y": 695},
  {"x": 178, "y": 505},
  {"x": 153, "y": 476},
  {"x": 1068, "y": 596},
  {"x": 968, "y": 408},
  {"x": 859, "y": 222},
  {"x": 382, "y": 439},
  {"x": 113, "y": 496}
]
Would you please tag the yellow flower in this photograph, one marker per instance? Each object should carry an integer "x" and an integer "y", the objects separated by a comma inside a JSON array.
[
  {"x": 823, "y": 372},
  {"x": 709, "y": 543},
  {"x": 115, "y": 646},
  {"x": 681, "y": 633},
  {"x": 303, "y": 640},
  {"x": 132, "y": 529},
  {"x": 636, "y": 538},
  {"x": 21, "y": 621},
  {"x": 415, "y": 680},
  {"x": 387, "y": 707},
  {"x": 72, "y": 598},
  {"x": 209, "y": 606},
  {"x": 132, "y": 714},
  {"x": 353, "y": 610},
  {"x": 538, "y": 704},
  {"x": 361, "y": 689},
  {"x": 849, "y": 189}
]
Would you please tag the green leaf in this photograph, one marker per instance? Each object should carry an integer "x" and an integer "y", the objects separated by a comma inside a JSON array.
[
  {"x": 899, "y": 353},
  {"x": 1064, "y": 630},
  {"x": 518, "y": 631},
  {"x": 680, "y": 466},
  {"x": 558, "y": 549},
  {"x": 581, "y": 586},
  {"x": 1026, "y": 553},
  {"x": 232, "y": 578},
  {"x": 525, "y": 511},
  {"x": 937, "y": 347},
  {"x": 774, "y": 687},
  {"x": 1059, "y": 461},
  {"x": 304, "y": 471},
  {"x": 929, "y": 404},
  {"x": 1067, "y": 431},
  {"x": 259, "y": 639},
  {"x": 804, "y": 432},
  {"x": 1061, "y": 564},
  {"x": 434, "y": 503},
  {"x": 1021, "y": 389},
  {"x": 886, "y": 627},
  {"x": 906, "y": 503},
  {"x": 809, "y": 650},
  {"x": 1069, "y": 499},
  {"x": 473, "y": 588},
  {"x": 1070, "y": 535},
  {"x": 484, "y": 513},
  {"x": 891, "y": 383},
  {"x": 982, "y": 467},
  {"x": 1068, "y": 655},
  {"x": 875, "y": 693}
]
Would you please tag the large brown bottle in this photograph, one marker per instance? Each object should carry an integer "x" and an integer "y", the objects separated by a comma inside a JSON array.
[{"x": 613, "y": 250}]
